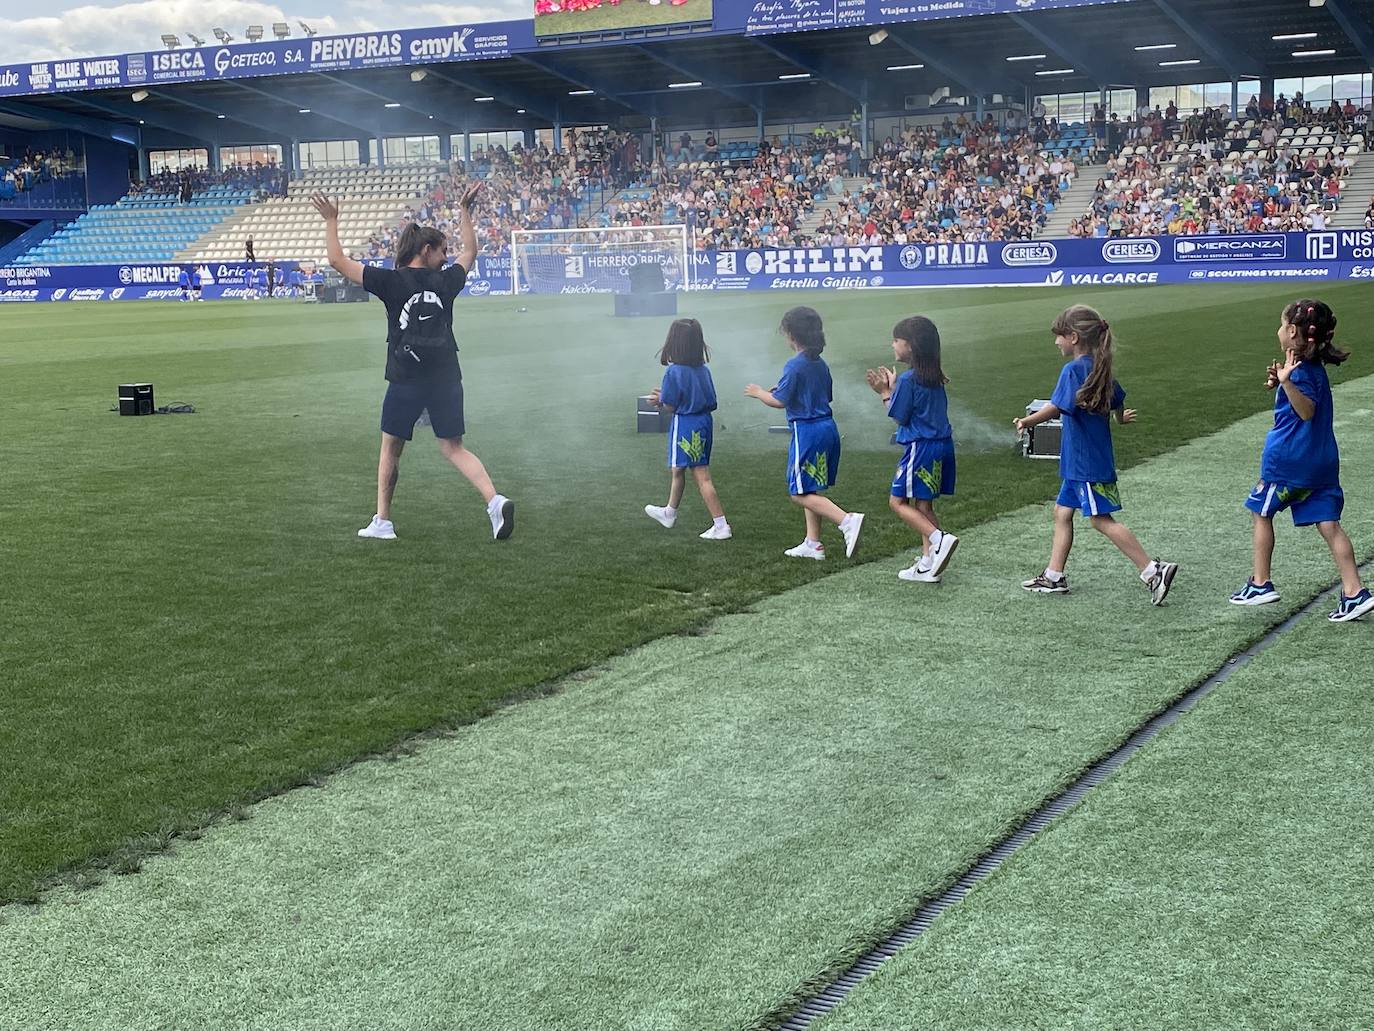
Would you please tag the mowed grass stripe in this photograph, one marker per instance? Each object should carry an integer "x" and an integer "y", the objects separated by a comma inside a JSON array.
[
  {"x": 189, "y": 622},
  {"x": 1220, "y": 880},
  {"x": 706, "y": 827}
]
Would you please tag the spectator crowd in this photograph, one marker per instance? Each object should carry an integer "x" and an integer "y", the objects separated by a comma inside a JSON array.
[
  {"x": 262, "y": 180},
  {"x": 34, "y": 168}
]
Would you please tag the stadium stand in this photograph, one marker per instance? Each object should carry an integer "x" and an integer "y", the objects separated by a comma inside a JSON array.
[
  {"x": 288, "y": 228},
  {"x": 1207, "y": 174},
  {"x": 145, "y": 227},
  {"x": 42, "y": 179}
]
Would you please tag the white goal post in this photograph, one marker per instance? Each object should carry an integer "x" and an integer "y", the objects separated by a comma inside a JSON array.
[{"x": 600, "y": 259}]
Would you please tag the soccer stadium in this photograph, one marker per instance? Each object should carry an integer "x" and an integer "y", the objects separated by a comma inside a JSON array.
[{"x": 906, "y": 562}]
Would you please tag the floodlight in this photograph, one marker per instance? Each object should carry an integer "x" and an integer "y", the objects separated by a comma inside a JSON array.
[
  {"x": 419, "y": 75},
  {"x": 281, "y": 30},
  {"x": 307, "y": 29},
  {"x": 195, "y": 40},
  {"x": 254, "y": 33},
  {"x": 170, "y": 42},
  {"x": 875, "y": 38},
  {"x": 223, "y": 36},
  {"x": 138, "y": 96}
]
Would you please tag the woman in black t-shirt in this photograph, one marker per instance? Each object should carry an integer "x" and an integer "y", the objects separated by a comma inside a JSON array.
[{"x": 422, "y": 368}]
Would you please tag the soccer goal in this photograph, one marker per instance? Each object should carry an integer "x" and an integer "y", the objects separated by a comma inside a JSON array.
[{"x": 607, "y": 260}]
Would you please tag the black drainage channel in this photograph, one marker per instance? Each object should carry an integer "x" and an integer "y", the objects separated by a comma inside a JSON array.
[{"x": 866, "y": 965}]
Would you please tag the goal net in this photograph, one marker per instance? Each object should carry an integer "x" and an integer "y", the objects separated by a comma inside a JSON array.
[{"x": 612, "y": 259}]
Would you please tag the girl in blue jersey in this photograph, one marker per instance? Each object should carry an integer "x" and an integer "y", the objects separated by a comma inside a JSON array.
[
  {"x": 916, "y": 401},
  {"x": 1084, "y": 397},
  {"x": 184, "y": 282},
  {"x": 1300, "y": 470},
  {"x": 813, "y": 460},
  {"x": 688, "y": 393}
]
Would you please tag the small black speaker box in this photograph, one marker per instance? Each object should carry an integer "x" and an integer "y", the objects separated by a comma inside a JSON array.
[
  {"x": 649, "y": 418},
  {"x": 136, "y": 399}
]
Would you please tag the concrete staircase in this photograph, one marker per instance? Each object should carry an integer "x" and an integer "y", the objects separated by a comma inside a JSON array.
[
  {"x": 853, "y": 183},
  {"x": 1073, "y": 202},
  {"x": 1359, "y": 189}
]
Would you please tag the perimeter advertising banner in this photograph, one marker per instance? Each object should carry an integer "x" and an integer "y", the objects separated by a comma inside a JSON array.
[
  {"x": 1128, "y": 261},
  {"x": 481, "y": 40}
]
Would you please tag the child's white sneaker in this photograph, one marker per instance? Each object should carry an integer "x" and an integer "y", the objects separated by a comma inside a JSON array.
[
  {"x": 943, "y": 552},
  {"x": 807, "y": 550},
  {"x": 717, "y": 533},
  {"x": 660, "y": 515},
  {"x": 915, "y": 574},
  {"x": 379, "y": 528},
  {"x": 850, "y": 526}
]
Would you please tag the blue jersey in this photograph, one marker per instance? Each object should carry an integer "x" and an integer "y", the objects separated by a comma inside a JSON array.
[
  {"x": 688, "y": 389},
  {"x": 195, "y": 277},
  {"x": 1298, "y": 453},
  {"x": 805, "y": 389},
  {"x": 260, "y": 277},
  {"x": 1085, "y": 450},
  {"x": 184, "y": 280},
  {"x": 921, "y": 412}
]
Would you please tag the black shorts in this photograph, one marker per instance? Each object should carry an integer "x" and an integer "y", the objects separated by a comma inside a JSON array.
[{"x": 405, "y": 401}]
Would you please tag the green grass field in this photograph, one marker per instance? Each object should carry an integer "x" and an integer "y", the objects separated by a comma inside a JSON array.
[
  {"x": 192, "y": 624},
  {"x": 629, "y": 14},
  {"x": 690, "y": 834}
]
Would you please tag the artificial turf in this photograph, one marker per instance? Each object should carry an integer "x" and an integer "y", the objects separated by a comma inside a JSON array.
[
  {"x": 1220, "y": 880},
  {"x": 189, "y": 622},
  {"x": 689, "y": 837}
]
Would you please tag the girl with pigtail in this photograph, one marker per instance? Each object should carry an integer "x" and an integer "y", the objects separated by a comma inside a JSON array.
[
  {"x": 1300, "y": 470},
  {"x": 1087, "y": 393}
]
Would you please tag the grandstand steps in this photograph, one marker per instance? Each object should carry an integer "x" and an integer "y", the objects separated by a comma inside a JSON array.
[
  {"x": 854, "y": 184},
  {"x": 227, "y": 228},
  {"x": 1356, "y": 197},
  {"x": 1073, "y": 202}
]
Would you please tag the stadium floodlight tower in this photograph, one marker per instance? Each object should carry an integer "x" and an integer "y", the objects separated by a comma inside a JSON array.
[
  {"x": 254, "y": 33},
  {"x": 308, "y": 30},
  {"x": 281, "y": 30},
  {"x": 169, "y": 41},
  {"x": 223, "y": 36},
  {"x": 195, "y": 40}
]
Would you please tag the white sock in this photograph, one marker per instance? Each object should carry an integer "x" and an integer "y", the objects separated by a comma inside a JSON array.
[
  {"x": 1054, "y": 575},
  {"x": 719, "y": 522},
  {"x": 924, "y": 564},
  {"x": 813, "y": 544},
  {"x": 494, "y": 505},
  {"x": 384, "y": 522},
  {"x": 936, "y": 537},
  {"x": 1149, "y": 572},
  {"x": 669, "y": 511}
]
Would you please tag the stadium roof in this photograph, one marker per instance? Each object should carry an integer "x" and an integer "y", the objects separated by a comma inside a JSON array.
[{"x": 1219, "y": 39}]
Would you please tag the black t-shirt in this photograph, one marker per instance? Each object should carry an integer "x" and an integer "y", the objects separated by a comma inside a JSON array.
[{"x": 397, "y": 288}]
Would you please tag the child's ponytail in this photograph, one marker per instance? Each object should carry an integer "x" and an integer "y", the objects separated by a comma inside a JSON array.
[
  {"x": 1095, "y": 335},
  {"x": 1316, "y": 325}
]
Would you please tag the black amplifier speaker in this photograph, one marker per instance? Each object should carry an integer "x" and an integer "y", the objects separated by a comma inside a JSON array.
[
  {"x": 649, "y": 417},
  {"x": 136, "y": 399},
  {"x": 1042, "y": 441}
]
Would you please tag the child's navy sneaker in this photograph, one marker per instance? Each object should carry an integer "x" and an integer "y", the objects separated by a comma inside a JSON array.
[
  {"x": 1353, "y": 608},
  {"x": 1255, "y": 594}
]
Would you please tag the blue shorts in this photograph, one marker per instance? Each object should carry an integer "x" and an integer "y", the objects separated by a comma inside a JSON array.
[
  {"x": 926, "y": 470},
  {"x": 405, "y": 401},
  {"x": 689, "y": 441},
  {"x": 1309, "y": 505},
  {"x": 813, "y": 458},
  {"x": 1092, "y": 499}
]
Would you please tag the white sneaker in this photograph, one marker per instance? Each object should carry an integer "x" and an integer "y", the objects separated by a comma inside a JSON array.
[
  {"x": 381, "y": 529},
  {"x": 850, "y": 526},
  {"x": 501, "y": 511},
  {"x": 941, "y": 555},
  {"x": 807, "y": 550},
  {"x": 717, "y": 533},
  {"x": 915, "y": 574},
  {"x": 660, "y": 515}
]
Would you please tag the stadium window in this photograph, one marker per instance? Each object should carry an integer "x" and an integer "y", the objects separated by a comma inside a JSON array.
[
  {"x": 329, "y": 153},
  {"x": 1076, "y": 107},
  {"x": 1162, "y": 96},
  {"x": 1287, "y": 87},
  {"x": 401, "y": 149},
  {"x": 1218, "y": 94},
  {"x": 176, "y": 160},
  {"x": 1051, "y": 102},
  {"x": 1348, "y": 87},
  {"x": 246, "y": 157},
  {"x": 1122, "y": 103}
]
